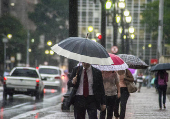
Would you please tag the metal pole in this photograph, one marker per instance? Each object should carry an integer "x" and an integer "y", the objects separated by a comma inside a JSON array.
[
  {"x": 27, "y": 61},
  {"x": 103, "y": 23},
  {"x": 4, "y": 56},
  {"x": 115, "y": 26},
  {"x": 122, "y": 34},
  {"x": 73, "y": 27},
  {"x": 160, "y": 28}
]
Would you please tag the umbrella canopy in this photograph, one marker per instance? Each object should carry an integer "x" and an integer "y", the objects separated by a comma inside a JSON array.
[
  {"x": 133, "y": 61},
  {"x": 132, "y": 70},
  {"x": 119, "y": 64},
  {"x": 83, "y": 50},
  {"x": 162, "y": 66}
]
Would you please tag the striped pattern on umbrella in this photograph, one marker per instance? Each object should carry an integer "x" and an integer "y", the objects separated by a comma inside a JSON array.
[
  {"x": 119, "y": 64},
  {"x": 83, "y": 50},
  {"x": 133, "y": 61}
]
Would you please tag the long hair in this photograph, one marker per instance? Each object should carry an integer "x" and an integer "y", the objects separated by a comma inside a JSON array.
[{"x": 162, "y": 74}]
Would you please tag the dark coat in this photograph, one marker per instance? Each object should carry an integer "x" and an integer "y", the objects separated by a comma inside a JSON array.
[{"x": 98, "y": 87}]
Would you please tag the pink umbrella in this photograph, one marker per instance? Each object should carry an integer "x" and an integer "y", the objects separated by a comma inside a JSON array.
[{"x": 119, "y": 64}]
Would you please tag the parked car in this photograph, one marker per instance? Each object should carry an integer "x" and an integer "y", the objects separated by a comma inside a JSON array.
[
  {"x": 23, "y": 80},
  {"x": 52, "y": 77}
]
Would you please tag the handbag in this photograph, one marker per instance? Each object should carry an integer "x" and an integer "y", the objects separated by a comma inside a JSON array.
[{"x": 131, "y": 86}]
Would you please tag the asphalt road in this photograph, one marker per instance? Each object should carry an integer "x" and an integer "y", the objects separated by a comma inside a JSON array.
[{"x": 26, "y": 107}]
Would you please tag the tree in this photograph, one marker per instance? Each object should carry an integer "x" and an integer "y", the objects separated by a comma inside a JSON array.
[
  {"x": 51, "y": 19},
  {"x": 11, "y": 25},
  {"x": 151, "y": 15}
]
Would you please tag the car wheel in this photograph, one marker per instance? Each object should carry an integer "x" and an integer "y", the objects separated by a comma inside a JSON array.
[
  {"x": 37, "y": 96},
  {"x": 42, "y": 94},
  {"x": 4, "y": 95}
]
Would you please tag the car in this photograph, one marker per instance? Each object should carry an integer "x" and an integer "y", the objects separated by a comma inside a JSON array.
[
  {"x": 52, "y": 77},
  {"x": 23, "y": 80}
]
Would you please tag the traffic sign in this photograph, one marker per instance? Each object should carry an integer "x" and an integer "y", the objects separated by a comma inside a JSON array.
[{"x": 114, "y": 49}]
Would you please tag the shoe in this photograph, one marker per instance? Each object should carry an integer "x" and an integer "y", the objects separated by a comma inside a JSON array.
[
  {"x": 164, "y": 106},
  {"x": 116, "y": 117},
  {"x": 160, "y": 108}
]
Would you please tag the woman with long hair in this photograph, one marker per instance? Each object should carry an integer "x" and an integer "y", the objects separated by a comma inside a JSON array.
[
  {"x": 162, "y": 87},
  {"x": 123, "y": 75}
]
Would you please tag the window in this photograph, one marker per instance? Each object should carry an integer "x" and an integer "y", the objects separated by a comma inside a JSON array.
[
  {"x": 48, "y": 71},
  {"x": 25, "y": 73}
]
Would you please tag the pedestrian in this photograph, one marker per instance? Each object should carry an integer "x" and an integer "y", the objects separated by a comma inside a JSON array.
[
  {"x": 162, "y": 87},
  {"x": 140, "y": 80},
  {"x": 123, "y": 75},
  {"x": 111, "y": 86},
  {"x": 89, "y": 94}
]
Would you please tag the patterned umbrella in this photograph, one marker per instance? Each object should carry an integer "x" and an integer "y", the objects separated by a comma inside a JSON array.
[
  {"x": 83, "y": 50},
  {"x": 119, "y": 64},
  {"x": 133, "y": 61}
]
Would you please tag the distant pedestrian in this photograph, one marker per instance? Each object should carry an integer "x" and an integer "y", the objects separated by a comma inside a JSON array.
[
  {"x": 140, "y": 80},
  {"x": 162, "y": 87},
  {"x": 123, "y": 75},
  {"x": 111, "y": 86}
]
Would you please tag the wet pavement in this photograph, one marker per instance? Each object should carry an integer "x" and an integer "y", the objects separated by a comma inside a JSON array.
[{"x": 143, "y": 105}]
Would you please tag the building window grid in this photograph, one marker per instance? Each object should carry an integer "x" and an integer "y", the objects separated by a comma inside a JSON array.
[{"x": 135, "y": 21}]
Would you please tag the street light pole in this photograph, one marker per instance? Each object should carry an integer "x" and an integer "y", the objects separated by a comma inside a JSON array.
[
  {"x": 5, "y": 40},
  {"x": 122, "y": 34},
  {"x": 27, "y": 60},
  {"x": 115, "y": 26},
  {"x": 103, "y": 23}
]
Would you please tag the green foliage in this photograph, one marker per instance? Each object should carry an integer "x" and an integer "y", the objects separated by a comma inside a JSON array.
[
  {"x": 151, "y": 15},
  {"x": 11, "y": 25},
  {"x": 51, "y": 19}
]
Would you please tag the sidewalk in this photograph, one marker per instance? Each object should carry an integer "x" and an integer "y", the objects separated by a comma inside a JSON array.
[{"x": 143, "y": 105}]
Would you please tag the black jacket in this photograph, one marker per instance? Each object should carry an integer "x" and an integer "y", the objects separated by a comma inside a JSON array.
[{"x": 98, "y": 87}]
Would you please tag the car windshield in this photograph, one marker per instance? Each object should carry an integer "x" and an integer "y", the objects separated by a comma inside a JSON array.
[
  {"x": 25, "y": 73},
  {"x": 48, "y": 71}
]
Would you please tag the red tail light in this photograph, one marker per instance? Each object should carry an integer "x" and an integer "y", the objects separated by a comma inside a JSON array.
[
  {"x": 5, "y": 78},
  {"x": 37, "y": 67},
  {"x": 57, "y": 77},
  {"x": 62, "y": 77},
  {"x": 37, "y": 81}
]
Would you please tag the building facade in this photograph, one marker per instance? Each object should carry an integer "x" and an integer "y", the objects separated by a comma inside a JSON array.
[{"x": 142, "y": 45}]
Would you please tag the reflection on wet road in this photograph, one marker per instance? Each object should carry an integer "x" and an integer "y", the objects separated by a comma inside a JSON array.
[{"x": 21, "y": 106}]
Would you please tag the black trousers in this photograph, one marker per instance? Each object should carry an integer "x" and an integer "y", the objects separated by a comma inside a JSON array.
[
  {"x": 110, "y": 106},
  {"x": 83, "y": 104},
  {"x": 123, "y": 101},
  {"x": 162, "y": 90}
]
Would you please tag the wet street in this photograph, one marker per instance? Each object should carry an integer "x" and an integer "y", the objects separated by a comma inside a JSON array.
[{"x": 22, "y": 106}]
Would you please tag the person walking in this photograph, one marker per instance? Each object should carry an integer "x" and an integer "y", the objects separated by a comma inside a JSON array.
[
  {"x": 123, "y": 75},
  {"x": 89, "y": 91},
  {"x": 140, "y": 80},
  {"x": 111, "y": 86},
  {"x": 162, "y": 87}
]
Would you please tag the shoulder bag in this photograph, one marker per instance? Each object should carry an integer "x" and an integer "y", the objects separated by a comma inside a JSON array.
[{"x": 130, "y": 85}]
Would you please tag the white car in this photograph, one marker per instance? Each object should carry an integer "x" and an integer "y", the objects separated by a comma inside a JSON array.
[
  {"x": 52, "y": 77},
  {"x": 23, "y": 80}
]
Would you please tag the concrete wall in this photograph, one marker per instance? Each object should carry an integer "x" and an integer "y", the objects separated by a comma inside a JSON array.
[{"x": 166, "y": 60}]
